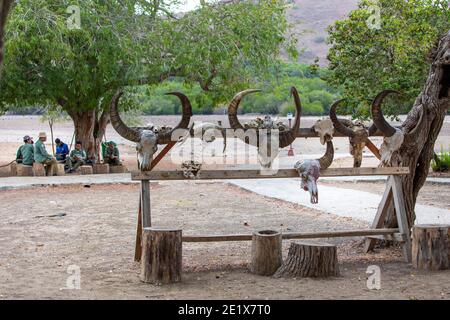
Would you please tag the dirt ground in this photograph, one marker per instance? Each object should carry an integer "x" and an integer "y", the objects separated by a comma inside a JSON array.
[{"x": 94, "y": 228}]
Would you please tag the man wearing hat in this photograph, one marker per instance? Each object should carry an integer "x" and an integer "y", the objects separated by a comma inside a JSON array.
[
  {"x": 41, "y": 156},
  {"x": 25, "y": 154}
]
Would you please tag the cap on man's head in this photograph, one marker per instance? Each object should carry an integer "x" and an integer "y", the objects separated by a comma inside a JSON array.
[
  {"x": 57, "y": 140},
  {"x": 42, "y": 135},
  {"x": 26, "y": 138}
]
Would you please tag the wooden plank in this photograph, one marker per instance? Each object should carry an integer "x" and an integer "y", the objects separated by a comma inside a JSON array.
[
  {"x": 399, "y": 237},
  {"x": 292, "y": 235},
  {"x": 402, "y": 220},
  {"x": 381, "y": 213},
  {"x": 256, "y": 174}
]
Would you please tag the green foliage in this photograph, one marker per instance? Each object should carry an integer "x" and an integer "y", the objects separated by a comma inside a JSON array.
[
  {"x": 443, "y": 161},
  {"x": 365, "y": 61},
  {"x": 216, "y": 46},
  {"x": 316, "y": 95}
]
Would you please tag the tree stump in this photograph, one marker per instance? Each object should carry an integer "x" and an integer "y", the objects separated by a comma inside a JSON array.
[
  {"x": 117, "y": 169},
  {"x": 101, "y": 168},
  {"x": 38, "y": 169},
  {"x": 309, "y": 259},
  {"x": 61, "y": 169},
  {"x": 87, "y": 170},
  {"x": 24, "y": 171},
  {"x": 431, "y": 247},
  {"x": 13, "y": 169},
  {"x": 266, "y": 252},
  {"x": 161, "y": 256}
]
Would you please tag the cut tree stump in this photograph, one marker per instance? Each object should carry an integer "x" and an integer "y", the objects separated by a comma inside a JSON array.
[
  {"x": 101, "y": 168},
  {"x": 309, "y": 259},
  {"x": 431, "y": 247},
  {"x": 117, "y": 169},
  {"x": 266, "y": 252},
  {"x": 61, "y": 169},
  {"x": 38, "y": 169},
  {"x": 87, "y": 170},
  {"x": 161, "y": 256},
  {"x": 24, "y": 171}
]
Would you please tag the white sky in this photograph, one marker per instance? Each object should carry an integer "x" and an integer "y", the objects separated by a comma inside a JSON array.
[{"x": 188, "y": 5}]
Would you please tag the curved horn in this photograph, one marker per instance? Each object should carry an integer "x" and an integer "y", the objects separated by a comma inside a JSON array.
[
  {"x": 327, "y": 158},
  {"x": 118, "y": 124},
  {"x": 377, "y": 115},
  {"x": 234, "y": 105},
  {"x": 166, "y": 137},
  {"x": 287, "y": 137},
  {"x": 337, "y": 124},
  {"x": 372, "y": 129}
]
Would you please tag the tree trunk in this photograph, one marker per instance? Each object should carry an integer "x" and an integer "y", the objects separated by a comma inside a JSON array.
[
  {"x": 89, "y": 129},
  {"x": 422, "y": 127},
  {"x": 5, "y": 6}
]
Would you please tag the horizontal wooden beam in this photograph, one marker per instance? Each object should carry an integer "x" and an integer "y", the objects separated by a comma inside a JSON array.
[
  {"x": 256, "y": 174},
  {"x": 293, "y": 235}
]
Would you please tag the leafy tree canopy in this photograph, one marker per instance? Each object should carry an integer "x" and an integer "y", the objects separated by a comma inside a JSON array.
[
  {"x": 364, "y": 61},
  {"x": 134, "y": 42}
]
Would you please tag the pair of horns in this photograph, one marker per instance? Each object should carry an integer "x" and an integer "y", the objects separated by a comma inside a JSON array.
[
  {"x": 285, "y": 137},
  {"x": 378, "y": 119},
  {"x": 133, "y": 134}
]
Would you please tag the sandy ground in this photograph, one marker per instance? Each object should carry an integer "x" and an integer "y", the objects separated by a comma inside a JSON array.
[{"x": 97, "y": 234}]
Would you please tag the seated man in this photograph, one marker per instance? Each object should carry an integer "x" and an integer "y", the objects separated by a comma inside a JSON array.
[
  {"x": 77, "y": 158},
  {"x": 112, "y": 154},
  {"x": 41, "y": 156},
  {"x": 62, "y": 150},
  {"x": 25, "y": 154}
]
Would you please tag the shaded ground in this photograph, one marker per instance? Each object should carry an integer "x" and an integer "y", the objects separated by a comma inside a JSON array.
[{"x": 98, "y": 229}]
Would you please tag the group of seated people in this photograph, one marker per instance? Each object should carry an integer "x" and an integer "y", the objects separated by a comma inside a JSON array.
[{"x": 31, "y": 152}]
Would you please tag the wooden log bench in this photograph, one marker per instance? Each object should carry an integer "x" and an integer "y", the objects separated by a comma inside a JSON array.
[
  {"x": 266, "y": 252},
  {"x": 38, "y": 169},
  {"x": 161, "y": 260},
  {"x": 86, "y": 170},
  {"x": 431, "y": 247},
  {"x": 101, "y": 168},
  {"x": 24, "y": 170},
  {"x": 309, "y": 259}
]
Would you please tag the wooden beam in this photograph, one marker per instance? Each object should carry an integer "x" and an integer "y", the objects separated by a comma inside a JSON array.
[
  {"x": 373, "y": 148},
  {"x": 256, "y": 174},
  {"x": 161, "y": 155},
  {"x": 293, "y": 235}
]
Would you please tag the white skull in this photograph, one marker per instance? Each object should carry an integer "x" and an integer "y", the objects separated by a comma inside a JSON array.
[
  {"x": 390, "y": 145},
  {"x": 146, "y": 148},
  {"x": 324, "y": 128}
]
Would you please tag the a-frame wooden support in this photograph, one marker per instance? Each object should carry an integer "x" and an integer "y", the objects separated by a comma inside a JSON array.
[{"x": 393, "y": 195}]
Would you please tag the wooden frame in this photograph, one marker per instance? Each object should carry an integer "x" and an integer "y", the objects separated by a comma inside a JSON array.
[{"x": 393, "y": 193}]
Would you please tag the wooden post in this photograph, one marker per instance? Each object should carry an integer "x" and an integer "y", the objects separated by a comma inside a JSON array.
[
  {"x": 431, "y": 247},
  {"x": 145, "y": 204},
  {"x": 161, "y": 256},
  {"x": 309, "y": 259},
  {"x": 266, "y": 252}
]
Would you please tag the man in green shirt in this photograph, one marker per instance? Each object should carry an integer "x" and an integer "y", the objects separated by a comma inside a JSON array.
[
  {"x": 41, "y": 156},
  {"x": 112, "y": 154},
  {"x": 25, "y": 154},
  {"x": 76, "y": 158}
]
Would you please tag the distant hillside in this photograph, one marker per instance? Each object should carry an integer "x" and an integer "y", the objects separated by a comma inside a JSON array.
[{"x": 310, "y": 19}]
